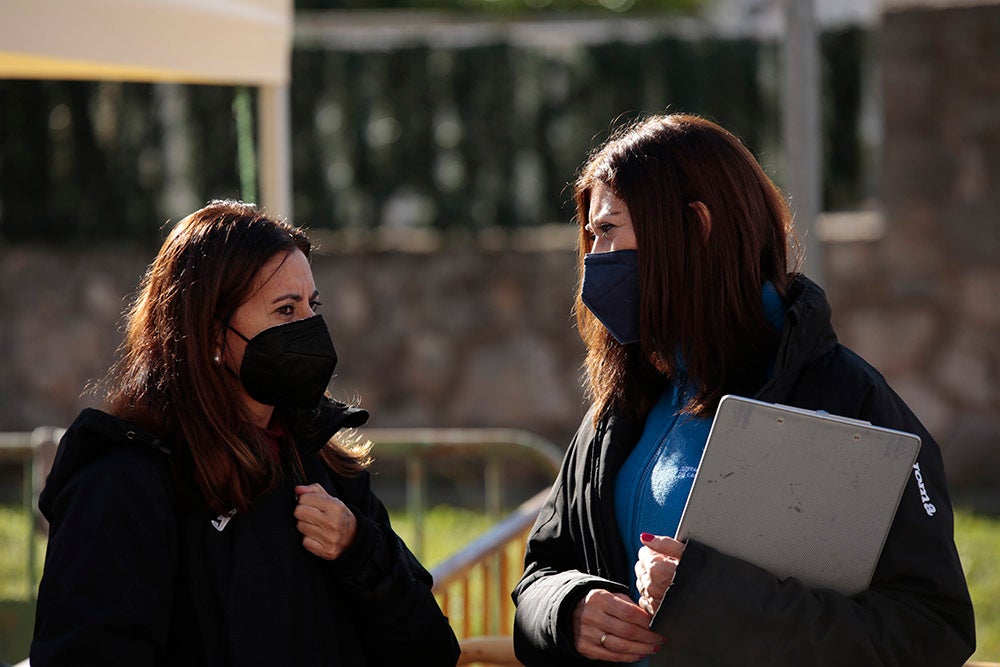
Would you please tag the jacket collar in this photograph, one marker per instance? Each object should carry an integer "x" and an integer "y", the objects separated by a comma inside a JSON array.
[
  {"x": 806, "y": 336},
  {"x": 311, "y": 429}
]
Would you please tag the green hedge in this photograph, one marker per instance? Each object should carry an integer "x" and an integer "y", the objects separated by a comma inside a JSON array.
[{"x": 449, "y": 138}]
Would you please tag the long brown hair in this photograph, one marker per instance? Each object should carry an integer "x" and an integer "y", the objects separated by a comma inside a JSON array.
[
  {"x": 700, "y": 296},
  {"x": 165, "y": 379}
]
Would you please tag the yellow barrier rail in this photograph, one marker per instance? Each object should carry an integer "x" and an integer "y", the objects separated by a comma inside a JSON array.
[
  {"x": 473, "y": 585},
  {"x": 485, "y": 571}
]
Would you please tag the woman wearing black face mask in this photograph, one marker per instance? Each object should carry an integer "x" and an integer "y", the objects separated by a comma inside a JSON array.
[
  {"x": 210, "y": 515},
  {"x": 685, "y": 296}
]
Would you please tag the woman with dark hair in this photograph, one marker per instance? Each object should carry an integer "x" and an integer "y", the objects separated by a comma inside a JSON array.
[
  {"x": 685, "y": 296},
  {"x": 216, "y": 513}
]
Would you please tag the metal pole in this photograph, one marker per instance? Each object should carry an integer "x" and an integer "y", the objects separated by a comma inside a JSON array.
[
  {"x": 274, "y": 155},
  {"x": 494, "y": 487},
  {"x": 415, "y": 499},
  {"x": 28, "y": 502},
  {"x": 243, "y": 113},
  {"x": 493, "y": 602},
  {"x": 802, "y": 128}
]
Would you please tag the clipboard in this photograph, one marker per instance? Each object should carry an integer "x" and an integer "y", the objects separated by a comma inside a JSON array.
[{"x": 800, "y": 493}]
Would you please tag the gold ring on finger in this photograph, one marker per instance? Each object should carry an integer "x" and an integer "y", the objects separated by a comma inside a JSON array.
[{"x": 604, "y": 637}]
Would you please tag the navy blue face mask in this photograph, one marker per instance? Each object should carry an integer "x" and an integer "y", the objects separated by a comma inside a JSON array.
[{"x": 611, "y": 292}]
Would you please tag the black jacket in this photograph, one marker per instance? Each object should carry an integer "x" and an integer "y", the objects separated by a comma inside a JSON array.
[
  {"x": 133, "y": 576},
  {"x": 724, "y": 611}
]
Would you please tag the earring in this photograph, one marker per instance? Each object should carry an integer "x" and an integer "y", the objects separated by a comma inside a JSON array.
[{"x": 217, "y": 359}]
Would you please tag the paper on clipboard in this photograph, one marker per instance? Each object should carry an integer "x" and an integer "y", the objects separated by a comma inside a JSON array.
[{"x": 799, "y": 493}]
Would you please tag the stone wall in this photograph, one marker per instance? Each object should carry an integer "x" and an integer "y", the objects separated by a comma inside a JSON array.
[
  {"x": 469, "y": 338},
  {"x": 449, "y": 338},
  {"x": 924, "y": 304},
  {"x": 475, "y": 337}
]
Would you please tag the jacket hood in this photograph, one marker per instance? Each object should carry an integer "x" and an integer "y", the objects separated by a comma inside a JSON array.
[
  {"x": 88, "y": 437},
  {"x": 311, "y": 429},
  {"x": 808, "y": 334},
  {"x": 94, "y": 432}
]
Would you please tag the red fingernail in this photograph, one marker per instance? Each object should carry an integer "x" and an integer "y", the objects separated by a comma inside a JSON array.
[
  {"x": 656, "y": 648},
  {"x": 646, "y": 537}
]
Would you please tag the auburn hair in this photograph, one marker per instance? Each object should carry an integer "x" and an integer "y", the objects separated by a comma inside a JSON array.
[
  {"x": 165, "y": 379},
  {"x": 702, "y": 321}
]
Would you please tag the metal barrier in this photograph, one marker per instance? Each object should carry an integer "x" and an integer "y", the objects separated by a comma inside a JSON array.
[
  {"x": 486, "y": 570},
  {"x": 35, "y": 451},
  {"x": 474, "y": 584},
  {"x": 417, "y": 446},
  {"x": 484, "y": 562}
]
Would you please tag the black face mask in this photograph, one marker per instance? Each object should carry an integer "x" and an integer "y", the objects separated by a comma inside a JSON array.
[{"x": 289, "y": 365}]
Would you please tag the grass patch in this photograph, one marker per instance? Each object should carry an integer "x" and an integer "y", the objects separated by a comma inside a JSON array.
[
  {"x": 446, "y": 530},
  {"x": 978, "y": 540},
  {"x": 15, "y": 583}
]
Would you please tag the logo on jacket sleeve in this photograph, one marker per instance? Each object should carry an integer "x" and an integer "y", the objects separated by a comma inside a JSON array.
[
  {"x": 924, "y": 497},
  {"x": 220, "y": 521}
]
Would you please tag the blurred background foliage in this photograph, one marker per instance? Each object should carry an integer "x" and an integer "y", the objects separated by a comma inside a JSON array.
[{"x": 452, "y": 137}]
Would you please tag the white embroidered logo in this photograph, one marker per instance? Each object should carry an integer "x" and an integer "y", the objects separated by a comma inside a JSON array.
[
  {"x": 924, "y": 498},
  {"x": 220, "y": 521}
]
